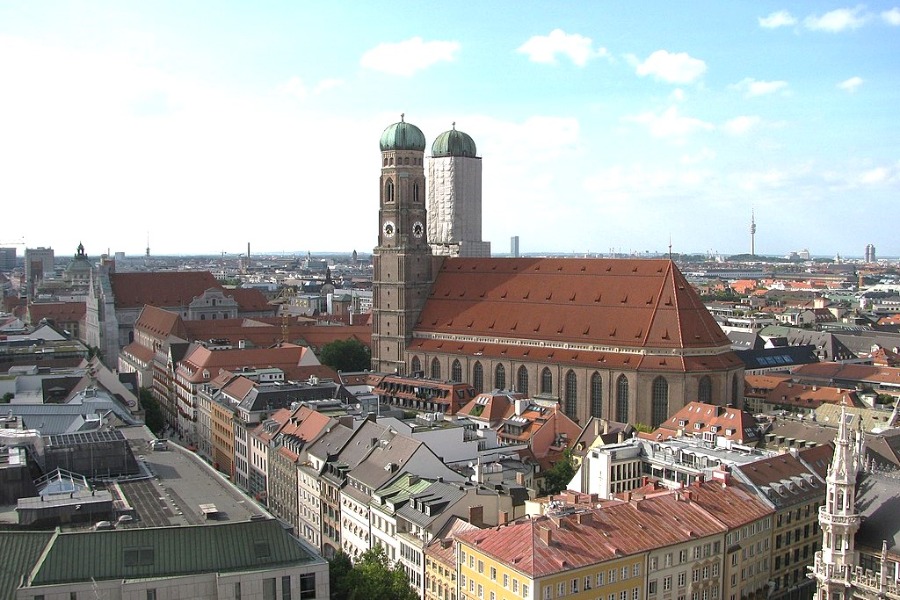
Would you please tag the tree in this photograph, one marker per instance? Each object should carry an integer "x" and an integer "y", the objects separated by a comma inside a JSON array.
[
  {"x": 346, "y": 355},
  {"x": 7, "y": 398},
  {"x": 557, "y": 477},
  {"x": 153, "y": 417},
  {"x": 371, "y": 578}
]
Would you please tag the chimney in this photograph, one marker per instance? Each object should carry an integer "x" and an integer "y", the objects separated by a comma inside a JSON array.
[
  {"x": 346, "y": 421},
  {"x": 584, "y": 518},
  {"x": 605, "y": 426},
  {"x": 621, "y": 437},
  {"x": 520, "y": 478},
  {"x": 476, "y": 516},
  {"x": 504, "y": 518},
  {"x": 520, "y": 405},
  {"x": 597, "y": 426},
  {"x": 627, "y": 496},
  {"x": 545, "y": 535}
]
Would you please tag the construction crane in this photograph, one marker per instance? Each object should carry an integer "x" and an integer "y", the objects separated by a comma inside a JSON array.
[{"x": 19, "y": 242}]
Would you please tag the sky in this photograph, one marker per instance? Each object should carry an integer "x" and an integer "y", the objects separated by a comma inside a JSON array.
[{"x": 208, "y": 125}]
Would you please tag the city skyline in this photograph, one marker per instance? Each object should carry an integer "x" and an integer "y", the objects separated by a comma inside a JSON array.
[{"x": 619, "y": 130}]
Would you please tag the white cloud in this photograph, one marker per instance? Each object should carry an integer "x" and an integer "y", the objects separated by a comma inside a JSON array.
[
  {"x": 672, "y": 67},
  {"x": 891, "y": 17},
  {"x": 408, "y": 57},
  {"x": 704, "y": 155},
  {"x": 851, "y": 84},
  {"x": 751, "y": 87},
  {"x": 670, "y": 124},
  {"x": 294, "y": 87},
  {"x": 741, "y": 125},
  {"x": 677, "y": 95},
  {"x": 781, "y": 18},
  {"x": 327, "y": 84},
  {"x": 837, "y": 20},
  {"x": 545, "y": 48}
]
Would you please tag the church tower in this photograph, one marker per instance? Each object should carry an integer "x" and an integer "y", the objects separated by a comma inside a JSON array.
[
  {"x": 402, "y": 260},
  {"x": 454, "y": 197},
  {"x": 839, "y": 518}
]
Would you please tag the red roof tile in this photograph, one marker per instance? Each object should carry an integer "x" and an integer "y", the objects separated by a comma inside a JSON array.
[
  {"x": 60, "y": 312},
  {"x": 619, "y": 303}
]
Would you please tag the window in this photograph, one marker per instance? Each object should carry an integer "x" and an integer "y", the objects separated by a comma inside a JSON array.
[
  {"x": 478, "y": 378},
  {"x": 286, "y": 587},
  {"x": 546, "y": 381},
  {"x": 435, "y": 368},
  {"x": 600, "y": 579},
  {"x": 524, "y": 590},
  {"x": 522, "y": 380},
  {"x": 587, "y": 582},
  {"x": 667, "y": 583},
  {"x": 682, "y": 578},
  {"x": 660, "y": 402},
  {"x": 651, "y": 588},
  {"x": 416, "y": 365},
  {"x": 515, "y": 585},
  {"x": 635, "y": 570},
  {"x": 456, "y": 371},
  {"x": 481, "y": 566},
  {"x": 596, "y": 395},
  {"x": 635, "y": 594},
  {"x": 237, "y": 590},
  {"x": 505, "y": 580},
  {"x": 682, "y": 556},
  {"x": 493, "y": 574},
  {"x": 151, "y": 594},
  {"x": 625, "y": 572},
  {"x": 480, "y": 591},
  {"x": 548, "y": 592},
  {"x": 500, "y": 377},
  {"x": 611, "y": 576},
  {"x": 561, "y": 589},
  {"x": 571, "y": 395},
  {"x": 704, "y": 390},
  {"x": 269, "y": 588},
  {"x": 575, "y": 586},
  {"x": 622, "y": 399}
]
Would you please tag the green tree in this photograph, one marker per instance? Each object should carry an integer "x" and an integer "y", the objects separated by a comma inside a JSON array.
[
  {"x": 371, "y": 578},
  {"x": 557, "y": 477},
  {"x": 7, "y": 398},
  {"x": 346, "y": 355},
  {"x": 340, "y": 576},
  {"x": 153, "y": 417}
]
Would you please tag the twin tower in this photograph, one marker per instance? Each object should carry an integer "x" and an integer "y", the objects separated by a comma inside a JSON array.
[{"x": 420, "y": 224}]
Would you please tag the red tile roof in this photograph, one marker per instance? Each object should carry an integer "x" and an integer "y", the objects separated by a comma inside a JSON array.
[
  {"x": 160, "y": 322},
  {"x": 591, "y": 536},
  {"x": 696, "y": 418},
  {"x": 810, "y": 396},
  {"x": 287, "y": 357},
  {"x": 618, "y": 303},
  {"x": 176, "y": 288},
  {"x": 60, "y": 312}
]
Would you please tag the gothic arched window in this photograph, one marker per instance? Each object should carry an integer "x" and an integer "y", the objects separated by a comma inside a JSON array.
[
  {"x": 456, "y": 371},
  {"x": 596, "y": 395},
  {"x": 734, "y": 390},
  {"x": 622, "y": 399},
  {"x": 659, "y": 406},
  {"x": 571, "y": 395},
  {"x": 522, "y": 380},
  {"x": 478, "y": 377},
  {"x": 500, "y": 377},
  {"x": 416, "y": 365},
  {"x": 389, "y": 190},
  {"x": 435, "y": 368},
  {"x": 704, "y": 392},
  {"x": 546, "y": 381}
]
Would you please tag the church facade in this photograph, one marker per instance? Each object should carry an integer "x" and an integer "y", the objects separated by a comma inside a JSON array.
[{"x": 627, "y": 340}]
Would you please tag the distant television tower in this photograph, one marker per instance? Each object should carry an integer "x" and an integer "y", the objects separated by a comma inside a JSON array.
[
  {"x": 752, "y": 233},
  {"x": 148, "y": 244}
]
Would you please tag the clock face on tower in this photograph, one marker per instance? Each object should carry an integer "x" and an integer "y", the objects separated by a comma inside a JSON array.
[
  {"x": 389, "y": 229},
  {"x": 418, "y": 229}
]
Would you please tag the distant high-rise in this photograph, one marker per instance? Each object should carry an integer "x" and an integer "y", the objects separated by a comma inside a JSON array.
[
  {"x": 752, "y": 233},
  {"x": 38, "y": 264},
  {"x": 7, "y": 259},
  {"x": 870, "y": 253},
  {"x": 514, "y": 246}
]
